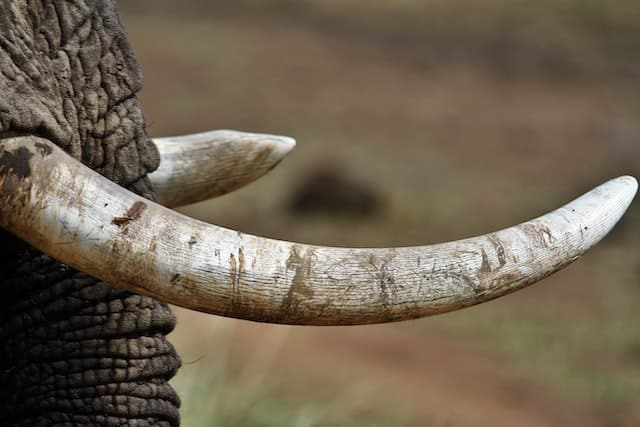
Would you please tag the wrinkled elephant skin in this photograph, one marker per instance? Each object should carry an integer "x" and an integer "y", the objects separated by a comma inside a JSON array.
[{"x": 76, "y": 351}]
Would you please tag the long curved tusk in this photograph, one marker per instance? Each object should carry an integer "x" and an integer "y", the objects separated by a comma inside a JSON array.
[
  {"x": 77, "y": 216},
  {"x": 204, "y": 165}
]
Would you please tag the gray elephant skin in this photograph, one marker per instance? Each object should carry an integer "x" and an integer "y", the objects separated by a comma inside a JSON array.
[{"x": 75, "y": 350}]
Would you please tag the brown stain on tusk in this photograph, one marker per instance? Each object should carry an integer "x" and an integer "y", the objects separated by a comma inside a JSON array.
[
  {"x": 500, "y": 250},
  {"x": 120, "y": 220},
  {"x": 236, "y": 265},
  {"x": 539, "y": 234},
  {"x": 262, "y": 157},
  {"x": 302, "y": 266},
  {"x": 133, "y": 213},
  {"x": 136, "y": 210},
  {"x": 16, "y": 162},
  {"x": 486, "y": 265},
  {"x": 44, "y": 149}
]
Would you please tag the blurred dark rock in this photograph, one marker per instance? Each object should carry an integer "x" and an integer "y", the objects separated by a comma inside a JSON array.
[{"x": 327, "y": 189}]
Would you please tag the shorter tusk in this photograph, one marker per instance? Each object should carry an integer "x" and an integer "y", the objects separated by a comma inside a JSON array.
[
  {"x": 198, "y": 167},
  {"x": 84, "y": 220}
]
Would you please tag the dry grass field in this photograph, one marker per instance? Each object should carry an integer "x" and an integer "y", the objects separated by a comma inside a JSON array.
[{"x": 462, "y": 117}]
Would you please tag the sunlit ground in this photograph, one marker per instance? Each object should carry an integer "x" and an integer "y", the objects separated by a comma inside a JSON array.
[{"x": 463, "y": 118}]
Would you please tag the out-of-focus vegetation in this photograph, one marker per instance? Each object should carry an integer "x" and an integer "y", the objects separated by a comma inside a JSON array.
[
  {"x": 245, "y": 385},
  {"x": 209, "y": 401},
  {"x": 464, "y": 116},
  {"x": 562, "y": 39}
]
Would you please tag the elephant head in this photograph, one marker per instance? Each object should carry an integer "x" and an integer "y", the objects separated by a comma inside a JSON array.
[{"x": 82, "y": 188}]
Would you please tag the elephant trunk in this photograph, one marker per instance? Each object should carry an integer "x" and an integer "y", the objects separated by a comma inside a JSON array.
[{"x": 76, "y": 351}]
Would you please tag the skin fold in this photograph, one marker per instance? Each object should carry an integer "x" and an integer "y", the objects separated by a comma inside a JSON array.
[{"x": 76, "y": 351}]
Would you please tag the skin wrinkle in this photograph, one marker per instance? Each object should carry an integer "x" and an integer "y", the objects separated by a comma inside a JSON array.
[{"x": 75, "y": 350}]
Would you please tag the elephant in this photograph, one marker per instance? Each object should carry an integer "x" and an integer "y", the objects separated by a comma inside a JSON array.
[{"x": 82, "y": 192}]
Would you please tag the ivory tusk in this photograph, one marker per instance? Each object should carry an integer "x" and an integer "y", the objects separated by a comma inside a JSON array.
[
  {"x": 78, "y": 217},
  {"x": 198, "y": 167}
]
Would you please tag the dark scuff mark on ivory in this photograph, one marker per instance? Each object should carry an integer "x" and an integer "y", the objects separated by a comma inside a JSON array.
[
  {"x": 17, "y": 162},
  {"x": 133, "y": 214}
]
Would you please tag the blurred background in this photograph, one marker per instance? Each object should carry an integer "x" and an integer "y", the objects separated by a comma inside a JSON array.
[{"x": 417, "y": 122}]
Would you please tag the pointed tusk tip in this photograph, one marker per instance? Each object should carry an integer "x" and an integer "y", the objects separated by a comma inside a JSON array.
[
  {"x": 631, "y": 182},
  {"x": 282, "y": 145},
  {"x": 627, "y": 188},
  {"x": 278, "y": 147},
  {"x": 615, "y": 197}
]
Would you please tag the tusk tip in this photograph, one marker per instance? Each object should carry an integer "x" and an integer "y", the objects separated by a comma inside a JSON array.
[
  {"x": 612, "y": 199},
  {"x": 204, "y": 165},
  {"x": 625, "y": 187},
  {"x": 277, "y": 146},
  {"x": 631, "y": 183},
  {"x": 280, "y": 145}
]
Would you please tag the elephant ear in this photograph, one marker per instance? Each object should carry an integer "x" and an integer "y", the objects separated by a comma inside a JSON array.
[{"x": 92, "y": 224}]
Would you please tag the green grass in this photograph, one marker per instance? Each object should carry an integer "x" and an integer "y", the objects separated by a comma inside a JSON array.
[{"x": 213, "y": 397}]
